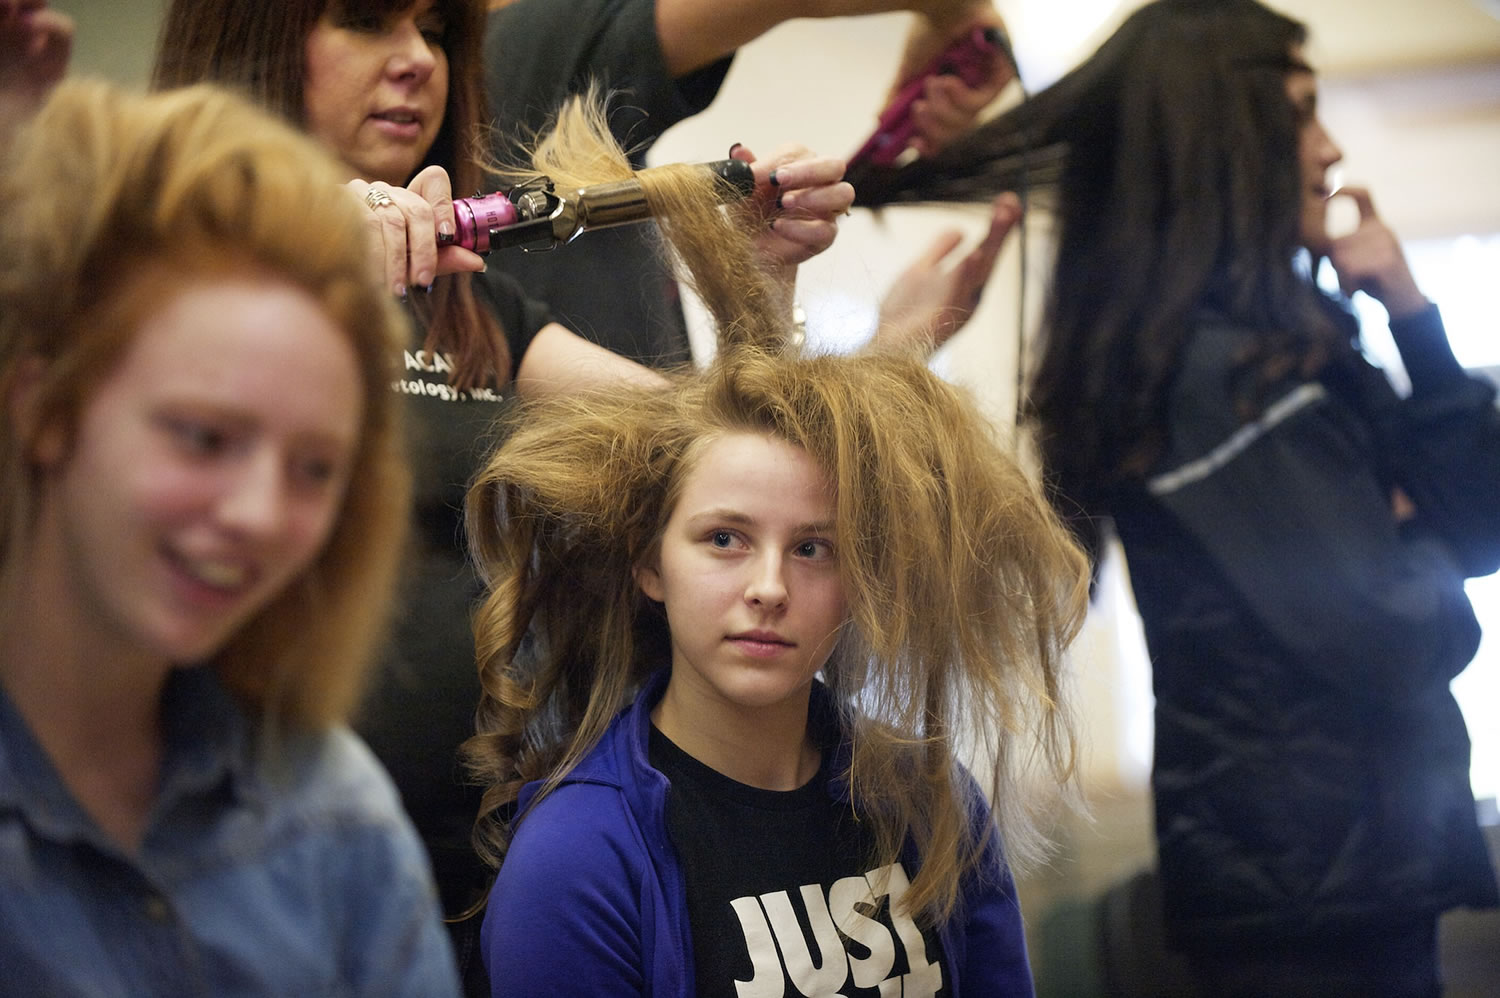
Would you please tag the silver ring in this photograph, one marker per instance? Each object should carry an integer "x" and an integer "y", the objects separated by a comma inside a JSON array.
[{"x": 377, "y": 198}]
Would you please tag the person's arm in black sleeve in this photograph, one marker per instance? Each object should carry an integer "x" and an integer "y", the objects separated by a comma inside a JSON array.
[
  {"x": 1291, "y": 511},
  {"x": 519, "y": 315},
  {"x": 537, "y": 52},
  {"x": 548, "y": 357},
  {"x": 1444, "y": 444}
]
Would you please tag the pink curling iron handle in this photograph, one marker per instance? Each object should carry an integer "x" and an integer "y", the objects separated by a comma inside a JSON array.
[
  {"x": 970, "y": 58},
  {"x": 477, "y": 217}
]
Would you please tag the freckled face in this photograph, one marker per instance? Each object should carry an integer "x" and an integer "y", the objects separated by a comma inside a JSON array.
[
  {"x": 376, "y": 90},
  {"x": 1316, "y": 152},
  {"x": 206, "y": 470},
  {"x": 749, "y": 577}
]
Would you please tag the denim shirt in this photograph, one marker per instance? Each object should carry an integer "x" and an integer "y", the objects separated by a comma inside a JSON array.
[{"x": 270, "y": 866}]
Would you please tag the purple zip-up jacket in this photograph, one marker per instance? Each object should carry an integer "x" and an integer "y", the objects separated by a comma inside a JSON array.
[{"x": 591, "y": 899}]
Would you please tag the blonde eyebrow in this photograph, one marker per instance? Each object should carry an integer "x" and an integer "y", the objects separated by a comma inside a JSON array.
[{"x": 737, "y": 518}]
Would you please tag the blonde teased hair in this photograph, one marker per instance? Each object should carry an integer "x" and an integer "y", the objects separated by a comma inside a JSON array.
[
  {"x": 963, "y": 588},
  {"x": 108, "y": 202}
]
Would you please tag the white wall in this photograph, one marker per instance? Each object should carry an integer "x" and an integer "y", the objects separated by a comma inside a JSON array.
[{"x": 115, "y": 39}]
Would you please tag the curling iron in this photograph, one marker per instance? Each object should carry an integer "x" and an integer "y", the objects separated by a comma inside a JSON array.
[
  {"x": 535, "y": 216},
  {"x": 971, "y": 58}
]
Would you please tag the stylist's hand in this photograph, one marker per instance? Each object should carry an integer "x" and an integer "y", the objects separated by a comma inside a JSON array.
[
  {"x": 930, "y": 302},
  {"x": 800, "y": 197},
  {"x": 1369, "y": 259},
  {"x": 404, "y": 231},
  {"x": 948, "y": 106}
]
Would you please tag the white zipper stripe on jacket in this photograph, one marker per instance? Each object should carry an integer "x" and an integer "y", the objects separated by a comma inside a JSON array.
[{"x": 1276, "y": 413}]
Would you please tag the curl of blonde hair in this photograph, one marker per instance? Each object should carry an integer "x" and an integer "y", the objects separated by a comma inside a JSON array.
[
  {"x": 964, "y": 590},
  {"x": 109, "y": 203}
]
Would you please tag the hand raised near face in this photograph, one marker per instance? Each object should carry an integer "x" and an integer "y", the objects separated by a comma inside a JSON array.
[
  {"x": 35, "y": 44},
  {"x": 404, "y": 226},
  {"x": 1370, "y": 259}
]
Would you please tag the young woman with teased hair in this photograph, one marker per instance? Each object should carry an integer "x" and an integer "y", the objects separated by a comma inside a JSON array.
[
  {"x": 1298, "y": 534},
  {"x": 760, "y": 606},
  {"x": 205, "y": 497}
]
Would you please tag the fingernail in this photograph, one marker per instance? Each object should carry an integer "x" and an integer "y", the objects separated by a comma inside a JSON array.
[
  {"x": 780, "y": 202},
  {"x": 401, "y": 291},
  {"x": 445, "y": 229},
  {"x": 427, "y": 287},
  {"x": 774, "y": 181},
  {"x": 735, "y": 148},
  {"x": 772, "y": 226}
]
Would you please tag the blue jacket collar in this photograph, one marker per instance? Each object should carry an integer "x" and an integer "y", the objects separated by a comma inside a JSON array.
[{"x": 621, "y": 759}]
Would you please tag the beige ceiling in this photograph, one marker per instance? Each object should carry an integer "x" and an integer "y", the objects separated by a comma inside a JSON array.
[{"x": 1361, "y": 36}]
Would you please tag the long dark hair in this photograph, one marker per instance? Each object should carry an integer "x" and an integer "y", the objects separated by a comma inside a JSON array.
[
  {"x": 1172, "y": 156},
  {"x": 259, "y": 49}
]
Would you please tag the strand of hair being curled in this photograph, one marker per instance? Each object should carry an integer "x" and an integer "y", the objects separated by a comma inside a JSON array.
[{"x": 708, "y": 243}]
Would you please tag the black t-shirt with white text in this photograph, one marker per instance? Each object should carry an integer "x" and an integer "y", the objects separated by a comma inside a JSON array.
[{"x": 783, "y": 896}]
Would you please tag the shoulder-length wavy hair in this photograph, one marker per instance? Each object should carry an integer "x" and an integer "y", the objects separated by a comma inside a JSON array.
[
  {"x": 260, "y": 49},
  {"x": 109, "y": 202},
  {"x": 962, "y": 585},
  {"x": 1170, "y": 157}
]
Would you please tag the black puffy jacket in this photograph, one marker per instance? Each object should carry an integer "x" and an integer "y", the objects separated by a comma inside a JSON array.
[{"x": 1312, "y": 768}]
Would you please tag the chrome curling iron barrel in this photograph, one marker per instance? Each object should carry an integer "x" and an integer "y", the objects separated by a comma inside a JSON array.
[{"x": 536, "y": 216}]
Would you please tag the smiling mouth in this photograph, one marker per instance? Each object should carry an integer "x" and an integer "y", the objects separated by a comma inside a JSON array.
[{"x": 225, "y": 575}]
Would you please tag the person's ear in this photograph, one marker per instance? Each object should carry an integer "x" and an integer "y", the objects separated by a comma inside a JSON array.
[
  {"x": 648, "y": 577},
  {"x": 43, "y": 445}
]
